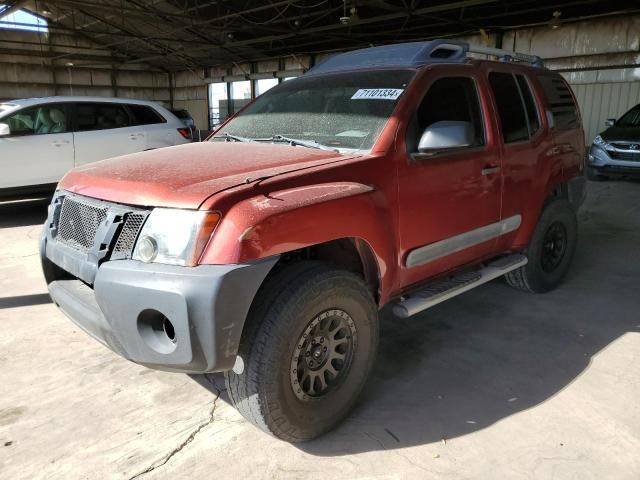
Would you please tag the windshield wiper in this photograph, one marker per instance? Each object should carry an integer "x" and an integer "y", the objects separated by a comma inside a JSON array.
[
  {"x": 236, "y": 138},
  {"x": 302, "y": 143}
]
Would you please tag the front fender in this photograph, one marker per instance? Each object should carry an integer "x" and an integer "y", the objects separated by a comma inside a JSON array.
[{"x": 290, "y": 219}]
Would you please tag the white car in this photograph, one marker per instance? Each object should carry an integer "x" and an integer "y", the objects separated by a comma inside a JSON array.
[{"x": 43, "y": 138}]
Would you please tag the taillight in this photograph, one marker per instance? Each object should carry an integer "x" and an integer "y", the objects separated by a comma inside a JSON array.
[{"x": 185, "y": 132}]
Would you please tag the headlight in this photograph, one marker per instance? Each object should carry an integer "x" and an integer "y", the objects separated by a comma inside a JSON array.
[
  {"x": 175, "y": 237},
  {"x": 599, "y": 141}
]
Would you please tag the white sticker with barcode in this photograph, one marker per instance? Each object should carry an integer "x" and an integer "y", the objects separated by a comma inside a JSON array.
[{"x": 377, "y": 94}]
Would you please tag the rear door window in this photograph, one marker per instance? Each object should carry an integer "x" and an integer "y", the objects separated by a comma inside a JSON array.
[
  {"x": 145, "y": 115},
  {"x": 513, "y": 118},
  {"x": 533, "y": 118},
  {"x": 100, "y": 116}
]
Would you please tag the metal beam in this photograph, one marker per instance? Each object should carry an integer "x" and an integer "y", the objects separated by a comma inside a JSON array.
[
  {"x": 154, "y": 46},
  {"x": 106, "y": 7},
  {"x": 322, "y": 28},
  {"x": 89, "y": 38},
  {"x": 14, "y": 7}
]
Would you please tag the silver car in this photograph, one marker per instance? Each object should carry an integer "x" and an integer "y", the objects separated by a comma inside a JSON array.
[{"x": 617, "y": 149}]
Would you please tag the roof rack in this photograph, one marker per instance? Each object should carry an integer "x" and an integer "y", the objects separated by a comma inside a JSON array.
[
  {"x": 416, "y": 54},
  {"x": 507, "y": 55}
]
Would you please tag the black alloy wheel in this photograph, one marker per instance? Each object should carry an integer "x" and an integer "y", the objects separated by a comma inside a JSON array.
[{"x": 323, "y": 354}]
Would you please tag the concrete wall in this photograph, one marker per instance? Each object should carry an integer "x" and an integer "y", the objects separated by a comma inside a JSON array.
[
  {"x": 190, "y": 92},
  {"x": 34, "y": 65}
]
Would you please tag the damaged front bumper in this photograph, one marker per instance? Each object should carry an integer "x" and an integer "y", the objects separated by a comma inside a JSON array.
[{"x": 186, "y": 319}]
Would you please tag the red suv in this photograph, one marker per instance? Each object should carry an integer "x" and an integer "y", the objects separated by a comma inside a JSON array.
[{"x": 403, "y": 174}]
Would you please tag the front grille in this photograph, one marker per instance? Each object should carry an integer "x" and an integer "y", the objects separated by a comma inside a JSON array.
[
  {"x": 628, "y": 155},
  {"x": 78, "y": 223},
  {"x": 80, "y": 218},
  {"x": 129, "y": 233}
]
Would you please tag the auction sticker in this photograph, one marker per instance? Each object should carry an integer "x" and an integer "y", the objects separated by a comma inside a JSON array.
[{"x": 377, "y": 94}]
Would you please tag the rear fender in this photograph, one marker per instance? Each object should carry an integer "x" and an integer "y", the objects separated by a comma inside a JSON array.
[
  {"x": 295, "y": 218},
  {"x": 552, "y": 183}
]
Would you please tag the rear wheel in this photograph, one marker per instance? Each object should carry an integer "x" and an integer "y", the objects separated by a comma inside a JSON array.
[
  {"x": 307, "y": 350},
  {"x": 550, "y": 250}
]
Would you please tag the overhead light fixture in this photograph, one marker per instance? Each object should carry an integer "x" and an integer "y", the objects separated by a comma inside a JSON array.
[
  {"x": 353, "y": 16},
  {"x": 68, "y": 64},
  {"x": 555, "y": 21},
  {"x": 46, "y": 13},
  {"x": 230, "y": 36}
]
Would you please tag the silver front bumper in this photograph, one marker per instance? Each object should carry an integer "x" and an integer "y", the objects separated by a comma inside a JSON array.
[{"x": 602, "y": 160}]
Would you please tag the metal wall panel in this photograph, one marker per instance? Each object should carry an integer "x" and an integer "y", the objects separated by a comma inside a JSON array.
[{"x": 599, "y": 101}]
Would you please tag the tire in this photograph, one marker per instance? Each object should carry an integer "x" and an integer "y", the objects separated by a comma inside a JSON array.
[
  {"x": 288, "y": 305},
  {"x": 594, "y": 175},
  {"x": 548, "y": 260}
]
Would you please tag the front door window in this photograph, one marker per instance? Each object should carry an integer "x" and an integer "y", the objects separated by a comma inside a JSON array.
[{"x": 41, "y": 120}]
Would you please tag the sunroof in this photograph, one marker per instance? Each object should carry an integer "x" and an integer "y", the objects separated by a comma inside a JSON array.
[{"x": 22, "y": 20}]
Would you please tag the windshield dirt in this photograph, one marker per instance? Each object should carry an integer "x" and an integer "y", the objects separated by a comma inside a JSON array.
[{"x": 346, "y": 110}]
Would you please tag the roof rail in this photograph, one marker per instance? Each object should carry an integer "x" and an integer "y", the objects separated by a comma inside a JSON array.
[
  {"x": 416, "y": 54},
  {"x": 507, "y": 55}
]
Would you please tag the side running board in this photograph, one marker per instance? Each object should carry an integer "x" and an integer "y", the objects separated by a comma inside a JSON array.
[{"x": 449, "y": 287}]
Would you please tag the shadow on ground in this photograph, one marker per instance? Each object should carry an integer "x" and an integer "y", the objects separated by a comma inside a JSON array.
[
  {"x": 23, "y": 212},
  {"x": 24, "y": 300},
  {"x": 493, "y": 352}
]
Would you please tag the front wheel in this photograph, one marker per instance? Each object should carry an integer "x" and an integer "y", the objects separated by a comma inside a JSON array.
[
  {"x": 550, "y": 250},
  {"x": 308, "y": 347}
]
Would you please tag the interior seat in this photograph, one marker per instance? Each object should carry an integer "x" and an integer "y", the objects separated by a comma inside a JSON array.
[{"x": 58, "y": 120}]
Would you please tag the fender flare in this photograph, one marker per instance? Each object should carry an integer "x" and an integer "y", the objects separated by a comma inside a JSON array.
[{"x": 287, "y": 220}]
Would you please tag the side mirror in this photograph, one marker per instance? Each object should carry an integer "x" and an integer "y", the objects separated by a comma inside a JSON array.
[
  {"x": 446, "y": 135},
  {"x": 610, "y": 122},
  {"x": 4, "y": 130}
]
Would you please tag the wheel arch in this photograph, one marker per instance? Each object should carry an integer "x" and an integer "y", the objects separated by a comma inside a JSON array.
[
  {"x": 313, "y": 222},
  {"x": 352, "y": 254}
]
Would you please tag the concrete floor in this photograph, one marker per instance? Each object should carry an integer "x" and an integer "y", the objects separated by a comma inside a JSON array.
[{"x": 493, "y": 384}]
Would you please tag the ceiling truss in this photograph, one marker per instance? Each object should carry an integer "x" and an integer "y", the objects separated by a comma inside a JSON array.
[{"x": 172, "y": 35}]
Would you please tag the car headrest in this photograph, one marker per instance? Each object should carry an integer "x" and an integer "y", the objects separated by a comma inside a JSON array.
[{"x": 57, "y": 116}]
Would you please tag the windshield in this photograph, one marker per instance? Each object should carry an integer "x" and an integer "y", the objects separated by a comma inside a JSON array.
[
  {"x": 630, "y": 119},
  {"x": 346, "y": 110}
]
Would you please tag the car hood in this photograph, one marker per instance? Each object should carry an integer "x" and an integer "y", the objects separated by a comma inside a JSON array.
[
  {"x": 185, "y": 176},
  {"x": 621, "y": 134}
]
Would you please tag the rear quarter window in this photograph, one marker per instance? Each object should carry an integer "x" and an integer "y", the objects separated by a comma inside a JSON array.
[
  {"x": 181, "y": 114},
  {"x": 145, "y": 115},
  {"x": 561, "y": 103}
]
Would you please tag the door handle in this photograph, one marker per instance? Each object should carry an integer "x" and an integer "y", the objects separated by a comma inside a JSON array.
[
  {"x": 490, "y": 170},
  {"x": 59, "y": 143},
  {"x": 553, "y": 151}
]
